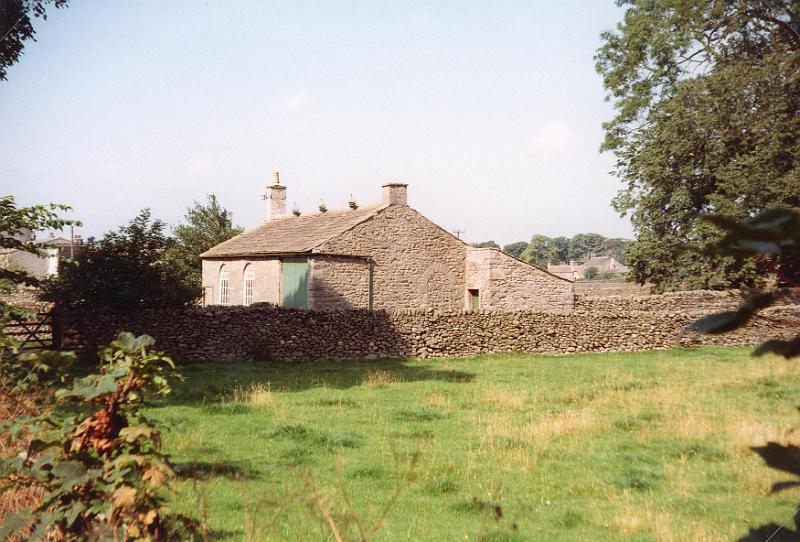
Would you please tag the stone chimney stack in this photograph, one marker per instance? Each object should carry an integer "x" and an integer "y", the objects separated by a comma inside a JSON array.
[
  {"x": 395, "y": 193},
  {"x": 276, "y": 198}
]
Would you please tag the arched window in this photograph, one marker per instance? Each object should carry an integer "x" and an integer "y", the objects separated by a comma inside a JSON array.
[
  {"x": 224, "y": 284},
  {"x": 249, "y": 279}
]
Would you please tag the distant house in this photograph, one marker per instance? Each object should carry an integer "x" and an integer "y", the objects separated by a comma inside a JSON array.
[
  {"x": 381, "y": 256},
  {"x": 575, "y": 271},
  {"x": 42, "y": 265}
]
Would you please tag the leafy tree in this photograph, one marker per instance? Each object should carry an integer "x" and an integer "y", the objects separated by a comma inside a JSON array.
[
  {"x": 539, "y": 251},
  {"x": 516, "y": 249},
  {"x": 206, "y": 226},
  {"x": 16, "y": 27},
  {"x": 560, "y": 249},
  {"x": 591, "y": 273},
  {"x": 485, "y": 244},
  {"x": 583, "y": 245},
  {"x": 707, "y": 99},
  {"x": 125, "y": 270},
  {"x": 14, "y": 223},
  {"x": 617, "y": 247}
]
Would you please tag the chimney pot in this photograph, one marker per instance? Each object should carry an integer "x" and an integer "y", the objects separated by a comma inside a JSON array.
[{"x": 395, "y": 193}]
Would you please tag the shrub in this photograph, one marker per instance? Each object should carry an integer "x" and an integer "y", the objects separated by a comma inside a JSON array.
[{"x": 95, "y": 457}]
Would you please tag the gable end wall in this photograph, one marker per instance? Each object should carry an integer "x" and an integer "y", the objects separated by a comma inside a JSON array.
[
  {"x": 416, "y": 264},
  {"x": 514, "y": 285}
]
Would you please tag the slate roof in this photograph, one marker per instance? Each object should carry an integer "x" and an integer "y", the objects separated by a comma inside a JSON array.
[{"x": 293, "y": 234}]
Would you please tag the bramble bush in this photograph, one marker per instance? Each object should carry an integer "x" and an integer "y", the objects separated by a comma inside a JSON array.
[{"x": 95, "y": 456}]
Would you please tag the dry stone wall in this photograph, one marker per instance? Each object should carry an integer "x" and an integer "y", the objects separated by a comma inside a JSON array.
[
  {"x": 265, "y": 332},
  {"x": 691, "y": 302},
  {"x": 26, "y": 298}
]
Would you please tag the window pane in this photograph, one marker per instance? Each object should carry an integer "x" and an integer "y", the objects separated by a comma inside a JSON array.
[
  {"x": 249, "y": 280},
  {"x": 224, "y": 280}
]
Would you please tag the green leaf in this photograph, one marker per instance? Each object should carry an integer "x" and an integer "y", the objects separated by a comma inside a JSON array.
[
  {"x": 92, "y": 386},
  {"x": 131, "y": 434},
  {"x": 75, "y": 510},
  {"x": 70, "y": 473},
  {"x": 14, "y": 523}
]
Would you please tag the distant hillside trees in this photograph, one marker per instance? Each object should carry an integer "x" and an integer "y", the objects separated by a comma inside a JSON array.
[
  {"x": 707, "y": 100},
  {"x": 485, "y": 244},
  {"x": 516, "y": 249},
  {"x": 541, "y": 249}
]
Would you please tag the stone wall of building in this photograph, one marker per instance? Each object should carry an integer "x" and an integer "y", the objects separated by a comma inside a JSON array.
[
  {"x": 338, "y": 283},
  {"x": 265, "y": 332},
  {"x": 266, "y": 286},
  {"x": 416, "y": 263},
  {"x": 508, "y": 284}
]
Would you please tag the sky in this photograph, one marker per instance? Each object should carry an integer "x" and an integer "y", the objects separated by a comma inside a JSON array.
[{"x": 490, "y": 111}]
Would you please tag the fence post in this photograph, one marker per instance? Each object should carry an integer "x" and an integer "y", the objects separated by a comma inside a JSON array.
[{"x": 55, "y": 327}]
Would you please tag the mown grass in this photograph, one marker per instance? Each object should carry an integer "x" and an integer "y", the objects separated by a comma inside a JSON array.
[{"x": 627, "y": 446}]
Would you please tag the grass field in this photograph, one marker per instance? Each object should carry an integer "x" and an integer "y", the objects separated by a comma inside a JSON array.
[{"x": 627, "y": 446}]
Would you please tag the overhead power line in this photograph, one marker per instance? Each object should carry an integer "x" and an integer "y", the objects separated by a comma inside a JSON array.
[{"x": 10, "y": 175}]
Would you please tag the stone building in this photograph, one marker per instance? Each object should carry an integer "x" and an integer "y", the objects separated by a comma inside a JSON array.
[
  {"x": 575, "y": 271},
  {"x": 383, "y": 256},
  {"x": 45, "y": 264}
]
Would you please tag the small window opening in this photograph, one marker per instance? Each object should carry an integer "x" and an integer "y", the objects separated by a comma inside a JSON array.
[{"x": 474, "y": 299}]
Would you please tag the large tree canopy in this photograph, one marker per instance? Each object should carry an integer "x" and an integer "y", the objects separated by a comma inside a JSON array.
[
  {"x": 16, "y": 27},
  {"x": 707, "y": 99},
  {"x": 124, "y": 270},
  {"x": 206, "y": 225}
]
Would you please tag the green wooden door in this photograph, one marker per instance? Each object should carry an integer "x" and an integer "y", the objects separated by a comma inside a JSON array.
[{"x": 294, "y": 283}]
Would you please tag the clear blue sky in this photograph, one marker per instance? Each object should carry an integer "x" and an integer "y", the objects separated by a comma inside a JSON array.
[{"x": 491, "y": 111}]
